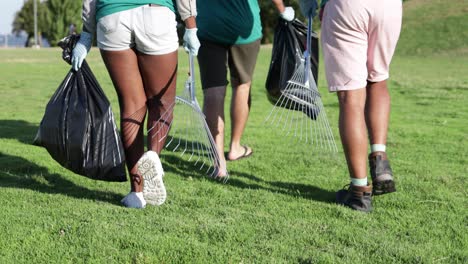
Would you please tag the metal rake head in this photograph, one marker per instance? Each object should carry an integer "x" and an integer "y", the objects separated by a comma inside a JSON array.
[
  {"x": 188, "y": 132},
  {"x": 299, "y": 111}
]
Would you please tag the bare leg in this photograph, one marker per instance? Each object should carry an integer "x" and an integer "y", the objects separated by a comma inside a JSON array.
[
  {"x": 125, "y": 74},
  {"x": 353, "y": 131},
  {"x": 377, "y": 111},
  {"x": 240, "y": 108},
  {"x": 159, "y": 74},
  {"x": 213, "y": 108},
  {"x": 377, "y": 117}
]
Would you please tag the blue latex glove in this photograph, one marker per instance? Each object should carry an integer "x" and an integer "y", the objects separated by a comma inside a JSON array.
[
  {"x": 308, "y": 7},
  {"x": 288, "y": 14},
  {"x": 81, "y": 50},
  {"x": 191, "y": 42}
]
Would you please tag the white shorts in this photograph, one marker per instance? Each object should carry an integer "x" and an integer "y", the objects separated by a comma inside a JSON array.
[
  {"x": 150, "y": 29},
  {"x": 358, "y": 41}
]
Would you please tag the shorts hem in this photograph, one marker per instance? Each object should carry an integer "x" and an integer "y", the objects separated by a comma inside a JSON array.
[
  {"x": 114, "y": 49},
  {"x": 238, "y": 82},
  {"x": 337, "y": 88},
  {"x": 379, "y": 78},
  {"x": 159, "y": 52},
  {"x": 207, "y": 87}
]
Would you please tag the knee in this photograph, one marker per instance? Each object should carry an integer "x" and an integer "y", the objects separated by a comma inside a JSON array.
[
  {"x": 215, "y": 94},
  {"x": 355, "y": 99},
  {"x": 156, "y": 102},
  {"x": 378, "y": 89},
  {"x": 236, "y": 85},
  {"x": 135, "y": 112},
  {"x": 166, "y": 103}
]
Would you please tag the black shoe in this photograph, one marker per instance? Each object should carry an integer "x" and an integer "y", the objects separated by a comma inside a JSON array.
[
  {"x": 356, "y": 197},
  {"x": 381, "y": 173}
]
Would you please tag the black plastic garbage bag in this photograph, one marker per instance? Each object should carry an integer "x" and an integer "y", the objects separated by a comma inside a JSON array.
[
  {"x": 289, "y": 44},
  {"x": 78, "y": 127}
]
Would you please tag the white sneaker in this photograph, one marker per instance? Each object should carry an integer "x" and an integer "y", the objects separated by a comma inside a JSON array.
[
  {"x": 150, "y": 168},
  {"x": 134, "y": 200}
]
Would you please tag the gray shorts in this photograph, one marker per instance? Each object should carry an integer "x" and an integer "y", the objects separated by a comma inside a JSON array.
[
  {"x": 214, "y": 59},
  {"x": 150, "y": 29}
]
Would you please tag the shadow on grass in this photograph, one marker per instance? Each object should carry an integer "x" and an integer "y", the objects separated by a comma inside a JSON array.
[
  {"x": 21, "y": 130},
  {"x": 176, "y": 164},
  {"x": 180, "y": 165},
  {"x": 17, "y": 172},
  {"x": 293, "y": 189}
]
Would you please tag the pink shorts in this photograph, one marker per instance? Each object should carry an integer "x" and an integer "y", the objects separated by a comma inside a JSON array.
[{"x": 358, "y": 41}]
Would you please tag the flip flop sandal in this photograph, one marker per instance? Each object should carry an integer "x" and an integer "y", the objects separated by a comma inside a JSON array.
[{"x": 245, "y": 155}]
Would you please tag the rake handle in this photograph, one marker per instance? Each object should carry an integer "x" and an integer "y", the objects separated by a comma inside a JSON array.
[
  {"x": 192, "y": 76},
  {"x": 307, "y": 51}
]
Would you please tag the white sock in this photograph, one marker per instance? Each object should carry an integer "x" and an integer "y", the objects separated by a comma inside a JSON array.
[
  {"x": 378, "y": 147},
  {"x": 359, "y": 182}
]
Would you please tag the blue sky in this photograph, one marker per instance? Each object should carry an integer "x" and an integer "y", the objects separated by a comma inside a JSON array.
[{"x": 8, "y": 9}]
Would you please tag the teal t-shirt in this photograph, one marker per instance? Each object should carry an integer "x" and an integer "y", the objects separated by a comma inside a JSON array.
[
  {"x": 107, "y": 7},
  {"x": 229, "y": 21}
]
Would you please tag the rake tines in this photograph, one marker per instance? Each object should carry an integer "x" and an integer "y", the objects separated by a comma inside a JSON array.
[
  {"x": 299, "y": 111},
  {"x": 189, "y": 133}
]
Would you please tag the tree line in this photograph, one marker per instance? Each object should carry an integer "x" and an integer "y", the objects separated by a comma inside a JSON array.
[{"x": 54, "y": 18}]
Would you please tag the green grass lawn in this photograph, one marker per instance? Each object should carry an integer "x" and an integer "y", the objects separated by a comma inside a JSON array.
[{"x": 277, "y": 206}]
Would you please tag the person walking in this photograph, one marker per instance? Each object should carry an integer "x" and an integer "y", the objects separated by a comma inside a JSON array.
[
  {"x": 359, "y": 38},
  {"x": 138, "y": 42},
  {"x": 230, "y": 33}
]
